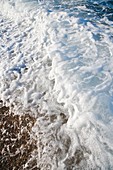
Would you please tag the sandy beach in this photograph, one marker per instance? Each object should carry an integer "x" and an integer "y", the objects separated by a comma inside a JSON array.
[{"x": 56, "y": 85}]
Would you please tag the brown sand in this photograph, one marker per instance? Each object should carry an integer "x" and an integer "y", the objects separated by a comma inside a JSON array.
[{"x": 16, "y": 145}]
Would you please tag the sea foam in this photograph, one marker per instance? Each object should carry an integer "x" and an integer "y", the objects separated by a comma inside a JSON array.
[{"x": 56, "y": 64}]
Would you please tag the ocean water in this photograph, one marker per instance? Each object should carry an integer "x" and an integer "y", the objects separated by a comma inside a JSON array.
[{"x": 56, "y": 63}]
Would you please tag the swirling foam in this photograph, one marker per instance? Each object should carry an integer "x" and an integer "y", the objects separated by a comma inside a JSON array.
[{"x": 57, "y": 64}]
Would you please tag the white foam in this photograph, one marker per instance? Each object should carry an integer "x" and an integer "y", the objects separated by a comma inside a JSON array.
[{"x": 52, "y": 64}]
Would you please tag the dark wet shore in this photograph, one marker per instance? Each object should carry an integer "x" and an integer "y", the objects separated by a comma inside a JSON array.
[{"x": 16, "y": 145}]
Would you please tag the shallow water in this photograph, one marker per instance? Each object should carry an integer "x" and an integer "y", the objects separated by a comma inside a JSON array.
[
  {"x": 56, "y": 65},
  {"x": 17, "y": 143}
]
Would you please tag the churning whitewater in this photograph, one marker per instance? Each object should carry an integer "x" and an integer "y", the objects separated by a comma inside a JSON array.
[{"x": 56, "y": 63}]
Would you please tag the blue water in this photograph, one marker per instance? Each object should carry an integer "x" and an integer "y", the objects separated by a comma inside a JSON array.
[{"x": 97, "y": 9}]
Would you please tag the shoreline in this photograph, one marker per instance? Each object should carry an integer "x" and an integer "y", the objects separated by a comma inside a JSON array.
[{"x": 16, "y": 144}]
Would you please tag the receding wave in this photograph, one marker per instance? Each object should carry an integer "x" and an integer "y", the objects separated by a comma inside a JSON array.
[{"x": 56, "y": 71}]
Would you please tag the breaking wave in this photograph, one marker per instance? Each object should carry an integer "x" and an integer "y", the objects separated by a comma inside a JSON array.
[{"x": 56, "y": 65}]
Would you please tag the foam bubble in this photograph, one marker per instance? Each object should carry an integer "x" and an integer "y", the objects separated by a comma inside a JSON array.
[{"x": 57, "y": 65}]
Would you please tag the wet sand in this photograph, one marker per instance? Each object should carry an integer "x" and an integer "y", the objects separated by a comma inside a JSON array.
[{"x": 16, "y": 145}]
